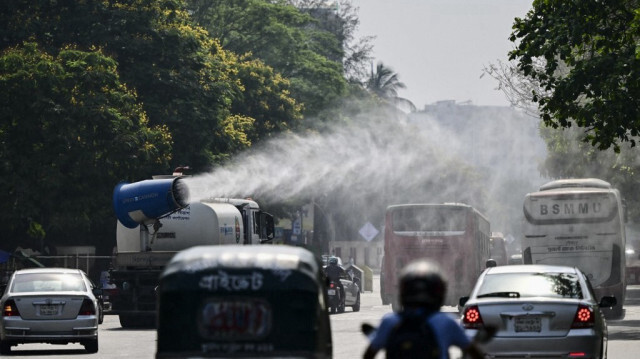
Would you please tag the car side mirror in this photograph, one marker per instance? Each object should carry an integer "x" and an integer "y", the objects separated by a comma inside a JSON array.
[
  {"x": 463, "y": 301},
  {"x": 491, "y": 263},
  {"x": 608, "y": 301},
  {"x": 97, "y": 292}
]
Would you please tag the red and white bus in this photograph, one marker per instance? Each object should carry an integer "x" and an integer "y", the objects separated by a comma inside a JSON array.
[{"x": 454, "y": 235}]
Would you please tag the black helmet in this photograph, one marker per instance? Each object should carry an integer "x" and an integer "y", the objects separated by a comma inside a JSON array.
[
  {"x": 333, "y": 260},
  {"x": 422, "y": 284}
]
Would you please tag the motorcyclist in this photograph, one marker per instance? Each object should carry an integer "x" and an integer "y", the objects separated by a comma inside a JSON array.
[
  {"x": 422, "y": 293},
  {"x": 333, "y": 272}
]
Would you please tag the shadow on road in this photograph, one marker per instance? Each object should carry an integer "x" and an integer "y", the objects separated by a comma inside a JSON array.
[
  {"x": 631, "y": 334},
  {"x": 624, "y": 329},
  {"x": 58, "y": 353}
]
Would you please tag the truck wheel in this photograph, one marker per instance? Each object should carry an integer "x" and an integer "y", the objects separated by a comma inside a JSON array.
[
  {"x": 91, "y": 346},
  {"x": 5, "y": 347},
  {"x": 148, "y": 321},
  {"x": 125, "y": 321},
  {"x": 137, "y": 321}
]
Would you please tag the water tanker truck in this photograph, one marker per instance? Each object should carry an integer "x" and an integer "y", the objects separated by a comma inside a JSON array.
[{"x": 155, "y": 221}]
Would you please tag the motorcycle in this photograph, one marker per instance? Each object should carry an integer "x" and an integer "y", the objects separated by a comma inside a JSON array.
[
  {"x": 334, "y": 296},
  {"x": 483, "y": 336}
]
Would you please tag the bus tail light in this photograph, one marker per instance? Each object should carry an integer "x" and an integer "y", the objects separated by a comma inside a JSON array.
[
  {"x": 471, "y": 318},
  {"x": 584, "y": 317}
]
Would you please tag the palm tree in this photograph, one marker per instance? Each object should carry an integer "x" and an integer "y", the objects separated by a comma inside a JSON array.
[{"x": 384, "y": 84}]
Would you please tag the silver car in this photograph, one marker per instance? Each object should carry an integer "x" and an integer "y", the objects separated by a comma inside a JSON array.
[
  {"x": 539, "y": 311},
  {"x": 49, "y": 305}
]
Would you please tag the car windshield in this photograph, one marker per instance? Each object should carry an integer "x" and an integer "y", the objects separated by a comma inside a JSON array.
[
  {"x": 47, "y": 282},
  {"x": 514, "y": 285}
]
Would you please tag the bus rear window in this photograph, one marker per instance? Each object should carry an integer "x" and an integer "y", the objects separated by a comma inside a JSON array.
[{"x": 428, "y": 219}]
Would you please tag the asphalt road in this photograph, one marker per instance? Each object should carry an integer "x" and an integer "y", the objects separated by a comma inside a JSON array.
[{"x": 348, "y": 341}]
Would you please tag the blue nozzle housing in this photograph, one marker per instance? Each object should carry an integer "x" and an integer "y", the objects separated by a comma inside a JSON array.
[{"x": 146, "y": 201}]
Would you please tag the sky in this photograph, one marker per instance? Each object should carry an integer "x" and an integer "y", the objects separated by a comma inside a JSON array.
[{"x": 438, "y": 48}]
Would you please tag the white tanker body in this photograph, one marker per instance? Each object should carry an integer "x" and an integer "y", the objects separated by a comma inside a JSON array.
[
  {"x": 141, "y": 257},
  {"x": 201, "y": 223}
]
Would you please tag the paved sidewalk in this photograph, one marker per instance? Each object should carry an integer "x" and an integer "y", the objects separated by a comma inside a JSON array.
[{"x": 372, "y": 298}]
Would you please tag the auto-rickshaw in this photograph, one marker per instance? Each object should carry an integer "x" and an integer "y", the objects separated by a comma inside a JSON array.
[{"x": 243, "y": 302}]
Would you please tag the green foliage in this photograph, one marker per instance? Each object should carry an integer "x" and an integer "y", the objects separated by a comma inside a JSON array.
[
  {"x": 570, "y": 157},
  {"x": 384, "y": 84},
  {"x": 266, "y": 99},
  {"x": 284, "y": 38},
  {"x": 108, "y": 90},
  {"x": 69, "y": 130},
  {"x": 182, "y": 77},
  {"x": 590, "y": 66}
]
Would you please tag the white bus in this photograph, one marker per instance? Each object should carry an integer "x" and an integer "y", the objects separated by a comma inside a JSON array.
[{"x": 579, "y": 222}]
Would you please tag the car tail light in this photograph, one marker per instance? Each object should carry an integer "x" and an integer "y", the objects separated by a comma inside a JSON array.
[
  {"x": 10, "y": 309},
  {"x": 577, "y": 355},
  {"x": 584, "y": 317},
  {"x": 471, "y": 319},
  {"x": 87, "y": 307}
]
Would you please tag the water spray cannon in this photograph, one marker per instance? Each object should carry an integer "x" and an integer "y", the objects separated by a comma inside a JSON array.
[
  {"x": 144, "y": 203},
  {"x": 147, "y": 201}
]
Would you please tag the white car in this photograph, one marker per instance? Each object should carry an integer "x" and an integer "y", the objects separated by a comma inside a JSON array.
[
  {"x": 49, "y": 305},
  {"x": 538, "y": 311}
]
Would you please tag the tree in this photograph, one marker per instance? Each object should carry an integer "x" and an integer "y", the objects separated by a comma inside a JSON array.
[
  {"x": 284, "y": 38},
  {"x": 340, "y": 18},
  {"x": 265, "y": 99},
  {"x": 589, "y": 69},
  {"x": 384, "y": 84},
  {"x": 183, "y": 77},
  {"x": 517, "y": 88},
  {"x": 69, "y": 130},
  {"x": 576, "y": 61},
  {"x": 570, "y": 157}
]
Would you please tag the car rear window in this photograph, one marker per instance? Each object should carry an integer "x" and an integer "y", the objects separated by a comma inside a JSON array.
[
  {"x": 553, "y": 285},
  {"x": 47, "y": 282}
]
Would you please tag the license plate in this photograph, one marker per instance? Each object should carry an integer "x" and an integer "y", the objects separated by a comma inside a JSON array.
[
  {"x": 235, "y": 319},
  {"x": 528, "y": 324},
  {"x": 48, "y": 310},
  {"x": 331, "y": 292}
]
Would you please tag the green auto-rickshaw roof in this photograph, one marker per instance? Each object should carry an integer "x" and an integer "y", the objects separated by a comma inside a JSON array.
[{"x": 272, "y": 257}]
